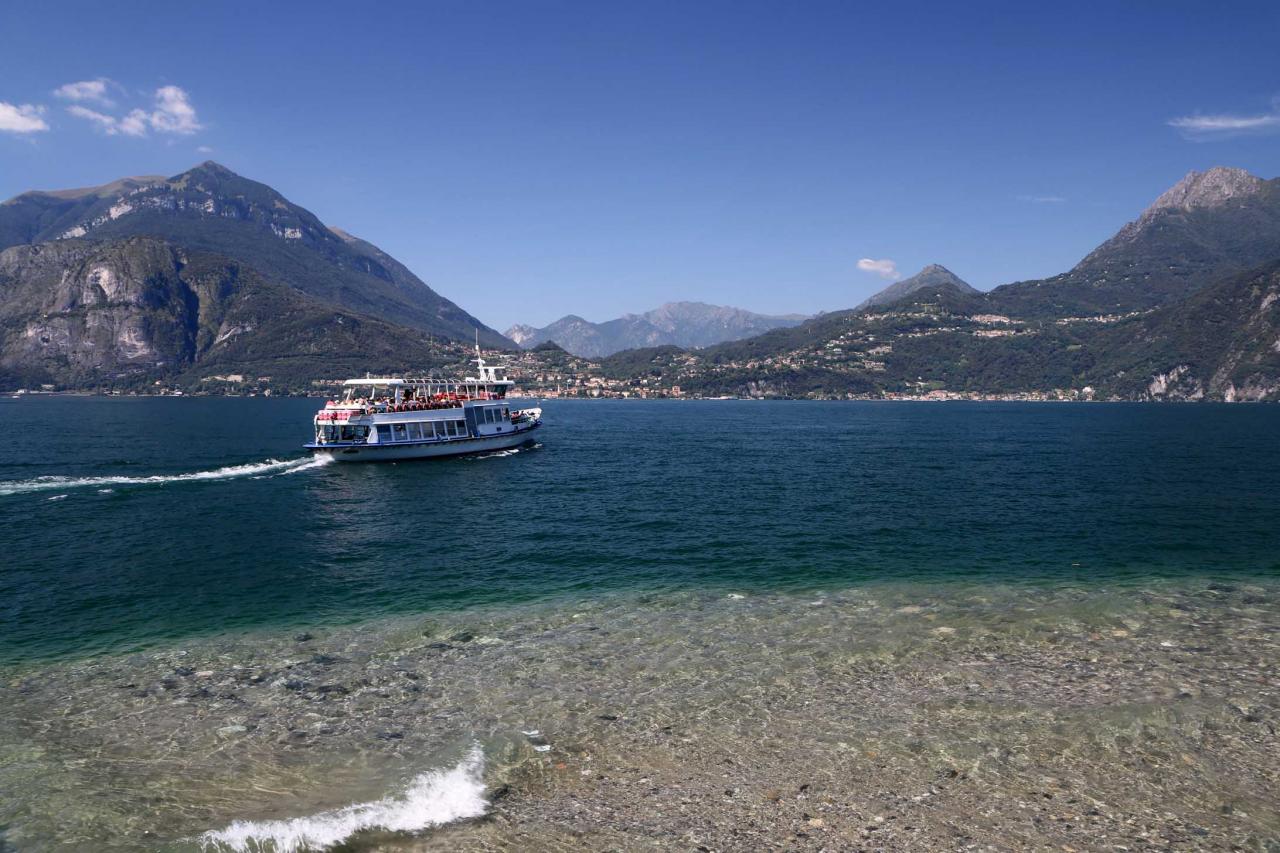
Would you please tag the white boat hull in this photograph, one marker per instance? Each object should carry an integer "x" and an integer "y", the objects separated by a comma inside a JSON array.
[{"x": 397, "y": 451}]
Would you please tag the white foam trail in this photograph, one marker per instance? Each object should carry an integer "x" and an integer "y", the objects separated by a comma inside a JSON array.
[
  {"x": 44, "y": 484},
  {"x": 316, "y": 462},
  {"x": 432, "y": 799}
]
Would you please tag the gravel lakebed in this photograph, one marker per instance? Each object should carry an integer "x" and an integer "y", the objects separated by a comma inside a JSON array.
[{"x": 885, "y": 716}]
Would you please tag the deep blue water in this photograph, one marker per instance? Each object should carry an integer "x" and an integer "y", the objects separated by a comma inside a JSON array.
[{"x": 644, "y": 496}]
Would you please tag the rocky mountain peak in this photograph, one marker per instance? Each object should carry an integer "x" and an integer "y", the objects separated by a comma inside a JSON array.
[
  {"x": 520, "y": 333},
  {"x": 1212, "y": 188},
  {"x": 934, "y": 275}
]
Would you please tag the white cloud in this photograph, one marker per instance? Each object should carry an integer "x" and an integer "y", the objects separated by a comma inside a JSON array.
[
  {"x": 884, "y": 268},
  {"x": 1042, "y": 199},
  {"x": 94, "y": 91},
  {"x": 21, "y": 118},
  {"x": 174, "y": 113},
  {"x": 203, "y": 149},
  {"x": 134, "y": 124},
  {"x": 1223, "y": 125}
]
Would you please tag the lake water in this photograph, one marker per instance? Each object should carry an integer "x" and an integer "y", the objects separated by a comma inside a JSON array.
[{"x": 200, "y": 625}]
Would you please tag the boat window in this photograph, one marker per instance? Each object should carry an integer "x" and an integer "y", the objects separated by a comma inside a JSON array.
[
  {"x": 506, "y": 414},
  {"x": 461, "y": 427},
  {"x": 384, "y": 432},
  {"x": 348, "y": 433},
  {"x": 398, "y": 432},
  {"x": 415, "y": 432}
]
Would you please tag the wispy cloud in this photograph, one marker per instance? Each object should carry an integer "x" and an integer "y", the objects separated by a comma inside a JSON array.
[
  {"x": 135, "y": 123},
  {"x": 203, "y": 149},
  {"x": 1042, "y": 199},
  {"x": 884, "y": 268},
  {"x": 1225, "y": 125},
  {"x": 21, "y": 118},
  {"x": 172, "y": 113},
  {"x": 93, "y": 91}
]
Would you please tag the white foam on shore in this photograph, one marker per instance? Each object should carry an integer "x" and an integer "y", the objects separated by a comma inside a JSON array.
[
  {"x": 270, "y": 466},
  {"x": 432, "y": 799}
]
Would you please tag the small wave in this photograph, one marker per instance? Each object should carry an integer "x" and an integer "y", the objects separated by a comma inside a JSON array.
[
  {"x": 44, "y": 484},
  {"x": 502, "y": 454},
  {"x": 56, "y": 498},
  {"x": 493, "y": 454},
  {"x": 432, "y": 799}
]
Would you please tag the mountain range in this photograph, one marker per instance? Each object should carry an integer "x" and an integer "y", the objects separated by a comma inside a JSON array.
[
  {"x": 152, "y": 278},
  {"x": 1182, "y": 303},
  {"x": 207, "y": 275},
  {"x": 682, "y": 324}
]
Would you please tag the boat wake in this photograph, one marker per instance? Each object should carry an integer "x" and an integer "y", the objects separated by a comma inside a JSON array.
[
  {"x": 267, "y": 468},
  {"x": 432, "y": 799}
]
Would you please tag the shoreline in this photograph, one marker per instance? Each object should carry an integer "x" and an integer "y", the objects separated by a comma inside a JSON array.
[{"x": 951, "y": 398}]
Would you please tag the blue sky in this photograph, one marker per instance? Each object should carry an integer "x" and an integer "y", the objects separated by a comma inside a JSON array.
[{"x": 534, "y": 159}]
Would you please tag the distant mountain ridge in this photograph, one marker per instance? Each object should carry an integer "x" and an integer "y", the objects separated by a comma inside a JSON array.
[
  {"x": 934, "y": 275},
  {"x": 682, "y": 324}
]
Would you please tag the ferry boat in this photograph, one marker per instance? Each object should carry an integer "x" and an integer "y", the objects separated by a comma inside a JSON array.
[{"x": 380, "y": 419}]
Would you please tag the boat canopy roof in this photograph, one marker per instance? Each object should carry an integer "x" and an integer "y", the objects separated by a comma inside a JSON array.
[{"x": 381, "y": 382}]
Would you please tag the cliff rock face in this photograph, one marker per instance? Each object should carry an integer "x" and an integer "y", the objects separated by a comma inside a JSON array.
[
  {"x": 78, "y": 313},
  {"x": 1222, "y": 343},
  {"x": 81, "y": 309}
]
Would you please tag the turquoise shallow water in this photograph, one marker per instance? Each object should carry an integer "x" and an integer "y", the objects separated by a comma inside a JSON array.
[{"x": 131, "y": 522}]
